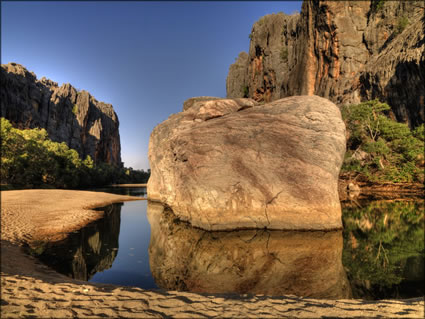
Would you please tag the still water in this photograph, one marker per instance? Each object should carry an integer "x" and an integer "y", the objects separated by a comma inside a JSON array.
[{"x": 379, "y": 254}]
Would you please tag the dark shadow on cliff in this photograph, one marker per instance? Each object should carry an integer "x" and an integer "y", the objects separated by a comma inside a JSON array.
[
  {"x": 404, "y": 91},
  {"x": 408, "y": 77}
]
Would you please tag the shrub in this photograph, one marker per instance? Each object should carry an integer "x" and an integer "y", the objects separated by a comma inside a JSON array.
[
  {"x": 29, "y": 158},
  {"x": 75, "y": 109},
  {"x": 401, "y": 24},
  {"x": 284, "y": 54},
  {"x": 377, "y": 5},
  {"x": 245, "y": 90},
  {"x": 419, "y": 132},
  {"x": 395, "y": 153}
]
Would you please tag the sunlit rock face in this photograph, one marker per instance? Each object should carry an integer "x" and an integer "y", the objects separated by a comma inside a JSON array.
[
  {"x": 227, "y": 164},
  {"x": 248, "y": 261},
  {"x": 346, "y": 51}
]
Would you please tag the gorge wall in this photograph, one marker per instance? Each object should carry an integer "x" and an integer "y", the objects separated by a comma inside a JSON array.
[
  {"x": 346, "y": 51},
  {"x": 68, "y": 115}
]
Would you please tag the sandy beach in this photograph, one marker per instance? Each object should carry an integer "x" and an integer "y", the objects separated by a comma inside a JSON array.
[{"x": 31, "y": 289}]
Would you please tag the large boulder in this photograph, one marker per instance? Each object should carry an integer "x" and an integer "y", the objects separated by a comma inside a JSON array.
[{"x": 231, "y": 163}]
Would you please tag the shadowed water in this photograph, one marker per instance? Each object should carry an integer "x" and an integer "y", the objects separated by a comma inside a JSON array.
[
  {"x": 88, "y": 251},
  {"x": 379, "y": 254}
]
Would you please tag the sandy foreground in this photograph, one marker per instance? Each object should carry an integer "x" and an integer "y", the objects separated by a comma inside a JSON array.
[{"x": 31, "y": 289}]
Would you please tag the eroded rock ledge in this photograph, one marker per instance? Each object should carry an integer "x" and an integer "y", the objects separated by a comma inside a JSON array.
[{"x": 228, "y": 164}]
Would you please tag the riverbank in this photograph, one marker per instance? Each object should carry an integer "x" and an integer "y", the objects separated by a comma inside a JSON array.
[
  {"x": 36, "y": 215},
  {"x": 29, "y": 288}
]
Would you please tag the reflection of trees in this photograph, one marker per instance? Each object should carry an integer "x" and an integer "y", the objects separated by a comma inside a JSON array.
[
  {"x": 90, "y": 250},
  {"x": 384, "y": 248}
]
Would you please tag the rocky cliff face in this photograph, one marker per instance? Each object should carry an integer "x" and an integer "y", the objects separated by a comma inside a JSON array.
[
  {"x": 68, "y": 115},
  {"x": 347, "y": 51}
]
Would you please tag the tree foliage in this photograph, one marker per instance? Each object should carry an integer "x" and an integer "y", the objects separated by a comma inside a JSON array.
[
  {"x": 377, "y": 5},
  {"x": 284, "y": 54},
  {"x": 379, "y": 148},
  {"x": 402, "y": 23},
  {"x": 30, "y": 159}
]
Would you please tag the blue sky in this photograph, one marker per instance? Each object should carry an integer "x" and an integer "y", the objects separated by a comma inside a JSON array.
[{"x": 145, "y": 58}]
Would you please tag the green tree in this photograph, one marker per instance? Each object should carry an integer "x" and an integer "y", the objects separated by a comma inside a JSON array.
[
  {"x": 402, "y": 23},
  {"x": 394, "y": 152},
  {"x": 284, "y": 54},
  {"x": 30, "y": 159}
]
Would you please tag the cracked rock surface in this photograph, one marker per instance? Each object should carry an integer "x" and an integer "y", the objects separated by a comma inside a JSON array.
[{"x": 227, "y": 164}]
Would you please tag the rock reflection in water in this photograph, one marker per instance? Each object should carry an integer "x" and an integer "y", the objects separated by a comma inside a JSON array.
[
  {"x": 87, "y": 251},
  {"x": 251, "y": 261}
]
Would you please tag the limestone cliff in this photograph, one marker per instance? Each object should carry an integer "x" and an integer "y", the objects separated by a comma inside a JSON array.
[
  {"x": 346, "y": 51},
  {"x": 68, "y": 115}
]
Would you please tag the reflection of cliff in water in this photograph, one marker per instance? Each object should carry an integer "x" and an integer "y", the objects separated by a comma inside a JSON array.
[
  {"x": 90, "y": 250},
  {"x": 249, "y": 261}
]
